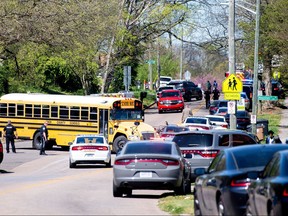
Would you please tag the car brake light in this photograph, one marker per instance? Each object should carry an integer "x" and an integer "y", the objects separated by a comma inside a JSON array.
[
  {"x": 123, "y": 162},
  {"x": 147, "y": 160},
  {"x": 285, "y": 192},
  {"x": 80, "y": 148},
  {"x": 240, "y": 182},
  {"x": 225, "y": 126},
  {"x": 167, "y": 135},
  {"x": 276, "y": 89},
  {"x": 203, "y": 153}
]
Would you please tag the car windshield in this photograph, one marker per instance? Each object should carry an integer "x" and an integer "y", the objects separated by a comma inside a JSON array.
[
  {"x": 196, "y": 121},
  {"x": 125, "y": 114},
  {"x": 193, "y": 140},
  {"x": 87, "y": 139},
  {"x": 253, "y": 158},
  {"x": 165, "y": 79},
  {"x": 170, "y": 94},
  {"x": 148, "y": 148}
]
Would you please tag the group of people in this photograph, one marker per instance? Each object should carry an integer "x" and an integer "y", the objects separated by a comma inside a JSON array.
[
  {"x": 10, "y": 133},
  {"x": 208, "y": 91}
]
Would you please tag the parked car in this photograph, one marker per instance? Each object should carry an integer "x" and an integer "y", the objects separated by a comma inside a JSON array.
[
  {"x": 1, "y": 152},
  {"x": 164, "y": 80},
  {"x": 169, "y": 131},
  {"x": 222, "y": 188},
  {"x": 268, "y": 195},
  {"x": 277, "y": 89},
  {"x": 156, "y": 165},
  {"x": 89, "y": 149},
  {"x": 160, "y": 89},
  {"x": 170, "y": 100},
  {"x": 214, "y": 106},
  {"x": 221, "y": 111},
  {"x": 244, "y": 102},
  {"x": 200, "y": 147},
  {"x": 218, "y": 122},
  {"x": 188, "y": 89},
  {"x": 243, "y": 119},
  {"x": 198, "y": 122},
  {"x": 248, "y": 89}
]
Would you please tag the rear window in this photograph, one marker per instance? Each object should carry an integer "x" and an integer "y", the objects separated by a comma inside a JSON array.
[
  {"x": 194, "y": 140},
  {"x": 165, "y": 79},
  {"x": 253, "y": 158},
  {"x": 90, "y": 140},
  {"x": 223, "y": 104},
  {"x": 175, "y": 129},
  {"x": 148, "y": 148},
  {"x": 216, "y": 119},
  {"x": 196, "y": 121}
]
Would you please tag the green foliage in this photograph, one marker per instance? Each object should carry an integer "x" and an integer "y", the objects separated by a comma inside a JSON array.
[{"x": 177, "y": 205}]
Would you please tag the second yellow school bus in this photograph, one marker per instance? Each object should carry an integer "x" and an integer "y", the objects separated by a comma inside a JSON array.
[{"x": 119, "y": 119}]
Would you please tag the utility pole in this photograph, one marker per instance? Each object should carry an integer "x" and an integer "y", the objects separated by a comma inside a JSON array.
[
  {"x": 158, "y": 63},
  {"x": 150, "y": 70},
  {"x": 256, "y": 65},
  {"x": 181, "y": 54},
  {"x": 231, "y": 32}
]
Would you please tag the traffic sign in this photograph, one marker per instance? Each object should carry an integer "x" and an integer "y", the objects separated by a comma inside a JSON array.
[
  {"x": 271, "y": 98},
  {"x": 187, "y": 75},
  {"x": 232, "y": 96},
  {"x": 232, "y": 84},
  {"x": 231, "y": 107}
]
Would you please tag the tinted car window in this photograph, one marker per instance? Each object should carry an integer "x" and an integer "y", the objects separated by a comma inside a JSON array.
[
  {"x": 214, "y": 162},
  {"x": 216, "y": 119},
  {"x": 275, "y": 171},
  {"x": 148, "y": 148},
  {"x": 194, "y": 140},
  {"x": 175, "y": 129},
  {"x": 240, "y": 139},
  {"x": 224, "y": 140},
  {"x": 223, "y": 104},
  {"x": 196, "y": 121},
  {"x": 258, "y": 160},
  {"x": 222, "y": 164}
]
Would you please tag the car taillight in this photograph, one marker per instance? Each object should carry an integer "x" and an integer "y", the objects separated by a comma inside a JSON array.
[
  {"x": 276, "y": 89},
  {"x": 225, "y": 126},
  {"x": 167, "y": 135},
  {"x": 213, "y": 108},
  {"x": 203, "y": 153},
  {"x": 285, "y": 192},
  {"x": 1, "y": 147},
  {"x": 240, "y": 182},
  {"x": 80, "y": 148},
  {"x": 147, "y": 160}
]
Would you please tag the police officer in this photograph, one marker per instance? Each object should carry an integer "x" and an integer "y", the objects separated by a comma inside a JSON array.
[
  {"x": 44, "y": 137},
  {"x": 8, "y": 132}
]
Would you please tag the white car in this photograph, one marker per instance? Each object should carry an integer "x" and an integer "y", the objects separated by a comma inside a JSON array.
[
  {"x": 198, "y": 123},
  {"x": 89, "y": 149},
  {"x": 218, "y": 122}
]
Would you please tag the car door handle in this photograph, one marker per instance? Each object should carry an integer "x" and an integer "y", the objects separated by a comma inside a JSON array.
[{"x": 211, "y": 182}]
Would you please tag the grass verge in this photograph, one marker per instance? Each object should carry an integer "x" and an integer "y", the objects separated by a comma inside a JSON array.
[{"x": 177, "y": 205}]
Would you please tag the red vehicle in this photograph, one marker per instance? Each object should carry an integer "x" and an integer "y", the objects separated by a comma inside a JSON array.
[{"x": 170, "y": 100}]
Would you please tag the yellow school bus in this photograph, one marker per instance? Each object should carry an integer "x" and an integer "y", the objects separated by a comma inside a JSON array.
[{"x": 117, "y": 117}]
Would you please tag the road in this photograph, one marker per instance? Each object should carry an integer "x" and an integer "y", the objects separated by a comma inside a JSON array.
[{"x": 31, "y": 184}]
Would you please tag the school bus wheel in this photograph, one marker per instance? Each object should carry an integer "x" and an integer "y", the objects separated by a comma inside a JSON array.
[
  {"x": 119, "y": 143},
  {"x": 36, "y": 143}
]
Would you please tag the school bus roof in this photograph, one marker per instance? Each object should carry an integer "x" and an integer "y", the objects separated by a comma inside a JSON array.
[{"x": 60, "y": 99}]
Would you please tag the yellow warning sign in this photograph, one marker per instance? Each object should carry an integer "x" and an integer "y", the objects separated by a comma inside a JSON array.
[
  {"x": 232, "y": 96},
  {"x": 232, "y": 84}
]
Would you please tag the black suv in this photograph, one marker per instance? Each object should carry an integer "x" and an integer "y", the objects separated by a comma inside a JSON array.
[
  {"x": 188, "y": 89},
  {"x": 277, "y": 89}
]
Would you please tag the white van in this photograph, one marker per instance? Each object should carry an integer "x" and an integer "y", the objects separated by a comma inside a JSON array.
[{"x": 164, "y": 80}]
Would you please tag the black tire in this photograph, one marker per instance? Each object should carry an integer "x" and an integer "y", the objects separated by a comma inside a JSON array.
[
  {"x": 117, "y": 192},
  {"x": 72, "y": 165},
  {"x": 197, "y": 211},
  {"x": 108, "y": 164},
  {"x": 181, "y": 190},
  {"x": 119, "y": 143},
  {"x": 160, "y": 111},
  {"x": 221, "y": 207},
  {"x": 188, "y": 186},
  {"x": 36, "y": 142}
]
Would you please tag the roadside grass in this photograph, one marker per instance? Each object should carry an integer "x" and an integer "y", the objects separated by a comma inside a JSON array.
[{"x": 177, "y": 205}]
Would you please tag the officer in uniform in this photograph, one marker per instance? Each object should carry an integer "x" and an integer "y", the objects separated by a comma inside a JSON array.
[
  {"x": 44, "y": 137},
  {"x": 8, "y": 132}
]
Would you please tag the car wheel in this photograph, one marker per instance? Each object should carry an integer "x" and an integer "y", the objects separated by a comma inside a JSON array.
[
  {"x": 181, "y": 189},
  {"x": 117, "y": 192},
  {"x": 119, "y": 143},
  {"x": 71, "y": 164},
  {"x": 108, "y": 164},
  {"x": 221, "y": 207},
  {"x": 160, "y": 111},
  {"x": 197, "y": 211},
  {"x": 188, "y": 186},
  {"x": 248, "y": 209}
]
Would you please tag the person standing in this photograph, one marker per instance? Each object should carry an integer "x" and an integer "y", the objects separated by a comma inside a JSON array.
[
  {"x": 44, "y": 137},
  {"x": 187, "y": 112},
  {"x": 216, "y": 94},
  {"x": 8, "y": 132},
  {"x": 207, "y": 96},
  {"x": 215, "y": 84},
  {"x": 208, "y": 86}
]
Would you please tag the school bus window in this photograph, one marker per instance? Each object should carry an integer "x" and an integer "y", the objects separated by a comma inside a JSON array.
[
  {"x": 45, "y": 111},
  {"x": 93, "y": 113},
  {"x": 20, "y": 110},
  {"x": 3, "y": 109},
  {"x": 84, "y": 113},
  {"x": 64, "y": 112},
  {"x": 37, "y": 111},
  {"x": 74, "y": 112},
  {"x": 28, "y": 110},
  {"x": 11, "y": 110},
  {"x": 54, "y": 111}
]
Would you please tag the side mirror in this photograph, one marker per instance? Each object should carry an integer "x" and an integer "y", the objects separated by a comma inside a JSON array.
[
  {"x": 199, "y": 171},
  {"x": 70, "y": 143}
]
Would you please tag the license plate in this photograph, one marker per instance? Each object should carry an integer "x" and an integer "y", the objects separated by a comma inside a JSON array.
[
  {"x": 89, "y": 155},
  {"x": 145, "y": 174}
]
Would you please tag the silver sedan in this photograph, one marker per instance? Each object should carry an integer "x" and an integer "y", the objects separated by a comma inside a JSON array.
[{"x": 156, "y": 165}]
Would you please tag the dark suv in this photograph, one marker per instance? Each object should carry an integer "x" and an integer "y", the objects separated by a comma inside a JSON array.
[
  {"x": 200, "y": 147},
  {"x": 188, "y": 89},
  {"x": 277, "y": 89}
]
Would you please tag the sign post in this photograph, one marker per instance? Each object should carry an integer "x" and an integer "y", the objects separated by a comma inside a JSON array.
[{"x": 127, "y": 77}]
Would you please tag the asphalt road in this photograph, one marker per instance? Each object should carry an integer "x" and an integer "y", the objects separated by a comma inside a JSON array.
[{"x": 31, "y": 184}]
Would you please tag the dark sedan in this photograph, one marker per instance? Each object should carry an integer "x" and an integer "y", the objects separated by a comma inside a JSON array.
[
  {"x": 222, "y": 189},
  {"x": 243, "y": 119},
  {"x": 214, "y": 106},
  {"x": 157, "y": 165},
  {"x": 269, "y": 194}
]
